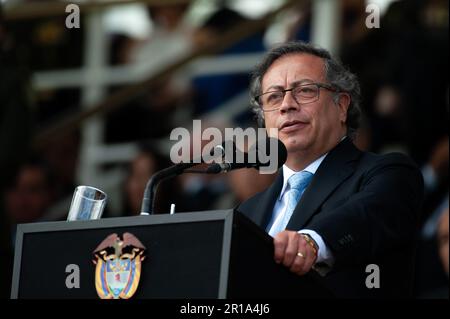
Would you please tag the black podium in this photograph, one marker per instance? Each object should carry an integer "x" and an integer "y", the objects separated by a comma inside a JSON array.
[{"x": 213, "y": 254}]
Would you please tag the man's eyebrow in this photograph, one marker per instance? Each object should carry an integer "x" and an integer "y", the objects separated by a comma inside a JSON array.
[
  {"x": 275, "y": 87},
  {"x": 303, "y": 81},
  {"x": 293, "y": 84}
]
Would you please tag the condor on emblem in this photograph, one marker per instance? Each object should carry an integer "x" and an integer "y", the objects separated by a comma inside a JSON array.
[{"x": 118, "y": 266}]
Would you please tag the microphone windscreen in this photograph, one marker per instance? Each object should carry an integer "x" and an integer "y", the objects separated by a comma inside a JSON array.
[{"x": 226, "y": 150}]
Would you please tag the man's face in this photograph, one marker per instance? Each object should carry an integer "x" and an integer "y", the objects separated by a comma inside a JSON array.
[{"x": 314, "y": 127}]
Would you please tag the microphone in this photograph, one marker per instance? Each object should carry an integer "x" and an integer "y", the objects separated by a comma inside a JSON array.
[
  {"x": 267, "y": 154},
  {"x": 225, "y": 149},
  {"x": 147, "y": 206}
]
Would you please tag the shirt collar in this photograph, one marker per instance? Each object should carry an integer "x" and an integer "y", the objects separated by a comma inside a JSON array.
[
  {"x": 287, "y": 172},
  {"x": 312, "y": 168}
]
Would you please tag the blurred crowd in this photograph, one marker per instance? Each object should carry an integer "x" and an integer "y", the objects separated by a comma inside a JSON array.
[{"x": 402, "y": 67}]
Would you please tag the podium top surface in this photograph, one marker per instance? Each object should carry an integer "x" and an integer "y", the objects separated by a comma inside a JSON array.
[{"x": 126, "y": 221}]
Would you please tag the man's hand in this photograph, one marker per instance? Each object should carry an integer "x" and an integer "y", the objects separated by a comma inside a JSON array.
[{"x": 290, "y": 246}]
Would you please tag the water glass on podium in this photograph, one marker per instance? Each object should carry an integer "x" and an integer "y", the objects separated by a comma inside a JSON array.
[{"x": 87, "y": 203}]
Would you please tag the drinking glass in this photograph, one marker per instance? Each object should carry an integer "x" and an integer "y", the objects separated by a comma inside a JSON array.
[{"x": 87, "y": 203}]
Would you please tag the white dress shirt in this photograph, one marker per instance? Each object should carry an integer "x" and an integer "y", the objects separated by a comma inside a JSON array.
[{"x": 324, "y": 255}]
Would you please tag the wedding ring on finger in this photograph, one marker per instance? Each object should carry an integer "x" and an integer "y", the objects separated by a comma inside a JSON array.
[{"x": 299, "y": 254}]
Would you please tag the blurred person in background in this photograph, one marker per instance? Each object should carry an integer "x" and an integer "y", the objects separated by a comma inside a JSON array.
[
  {"x": 29, "y": 196},
  {"x": 431, "y": 279},
  {"x": 211, "y": 91},
  {"x": 16, "y": 111},
  {"x": 141, "y": 169},
  {"x": 199, "y": 192},
  {"x": 435, "y": 173},
  {"x": 352, "y": 25},
  {"x": 62, "y": 155},
  {"x": 45, "y": 43},
  {"x": 170, "y": 36},
  {"x": 151, "y": 115},
  {"x": 300, "y": 27},
  {"x": 26, "y": 200},
  {"x": 245, "y": 183},
  {"x": 432, "y": 259},
  {"x": 16, "y": 125},
  {"x": 443, "y": 242},
  {"x": 400, "y": 67}
]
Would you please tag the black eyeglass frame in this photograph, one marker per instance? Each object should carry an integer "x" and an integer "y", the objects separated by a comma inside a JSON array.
[{"x": 318, "y": 84}]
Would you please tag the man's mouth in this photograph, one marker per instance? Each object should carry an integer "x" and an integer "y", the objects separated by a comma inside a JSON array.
[{"x": 290, "y": 126}]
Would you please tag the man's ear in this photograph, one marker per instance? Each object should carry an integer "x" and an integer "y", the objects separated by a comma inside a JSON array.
[{"x": 343, "y": 104}]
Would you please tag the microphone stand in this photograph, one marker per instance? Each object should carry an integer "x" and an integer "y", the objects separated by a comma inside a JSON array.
[
  {"x": 152, "y": 184},
  {"x": 172, "y": 171}
]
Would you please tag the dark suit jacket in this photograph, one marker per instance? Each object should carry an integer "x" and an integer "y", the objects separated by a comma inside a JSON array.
[{"x": 365, "y": 207}]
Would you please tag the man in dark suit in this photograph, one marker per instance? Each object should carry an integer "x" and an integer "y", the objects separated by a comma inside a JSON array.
[{"x": 344, "y": 216}]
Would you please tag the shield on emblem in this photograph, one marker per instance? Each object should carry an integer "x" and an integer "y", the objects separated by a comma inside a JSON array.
[
  {"x": 118, "y": 266},
  {"x": 118, "y": 273}
]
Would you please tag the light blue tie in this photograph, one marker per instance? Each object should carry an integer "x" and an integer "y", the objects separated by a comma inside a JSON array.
[{"x": 297, "y": 183}]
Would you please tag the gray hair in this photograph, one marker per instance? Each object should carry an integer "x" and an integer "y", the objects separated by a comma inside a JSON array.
[{"x": 336, "y": 74}]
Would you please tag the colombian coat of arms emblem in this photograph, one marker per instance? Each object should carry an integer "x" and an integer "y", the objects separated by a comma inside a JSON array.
[{"x": 118, "y": 266}]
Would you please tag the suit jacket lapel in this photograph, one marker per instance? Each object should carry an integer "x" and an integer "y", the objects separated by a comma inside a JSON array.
[
  {"x": 337, "y": 166},
  {"x": 267, "y": 201}
]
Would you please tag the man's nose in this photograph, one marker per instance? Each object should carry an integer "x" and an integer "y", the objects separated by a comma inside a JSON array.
[{"x": 289, "y": 102}]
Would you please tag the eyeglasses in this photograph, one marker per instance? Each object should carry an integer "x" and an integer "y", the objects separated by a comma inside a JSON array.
[{"x": 302, "y": 94}]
